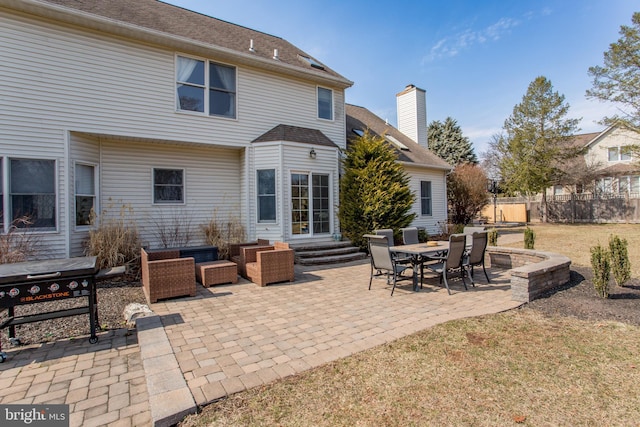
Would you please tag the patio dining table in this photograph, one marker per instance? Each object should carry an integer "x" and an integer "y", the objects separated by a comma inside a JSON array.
[{"x": 420, "y": 252}]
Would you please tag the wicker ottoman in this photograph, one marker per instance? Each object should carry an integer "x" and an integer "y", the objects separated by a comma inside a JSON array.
[{"x": 216, "y": 272}]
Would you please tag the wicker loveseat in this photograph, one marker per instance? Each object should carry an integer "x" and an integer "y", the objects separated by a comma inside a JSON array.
[
  {"x": 166, "y": 275},
  {"x": 270, "y": 264}
]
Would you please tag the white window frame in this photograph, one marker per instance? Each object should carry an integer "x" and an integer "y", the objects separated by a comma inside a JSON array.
[
  {"x": 619, "y": 155},
  {"x": 634, "y": 184},
  {"x": 168, "y": 202},
  {"x": 96, "y": 209},
  {"x": 274, "y": 195},
  {"x": 206, "y": 87},
  {"x": 423, "y": 198},
  {"x": 8, "y": 202},
  {"x": 310, "y": 197},
  {"x": 332, "y": 104}
]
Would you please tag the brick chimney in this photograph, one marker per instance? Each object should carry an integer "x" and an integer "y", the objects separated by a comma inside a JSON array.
[{"x": 412, "y": 114}]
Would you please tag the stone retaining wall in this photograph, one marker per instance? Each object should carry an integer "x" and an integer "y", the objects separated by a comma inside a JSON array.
[{"x": 532, "y": 272}]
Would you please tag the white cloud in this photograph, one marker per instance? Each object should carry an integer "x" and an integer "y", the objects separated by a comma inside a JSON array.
[{"x": 452, "y": 46}]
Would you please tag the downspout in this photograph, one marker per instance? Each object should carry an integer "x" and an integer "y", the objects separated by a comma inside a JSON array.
[
  {"x": 66, "y": 185},
  {"x": 247, "y": 169},
  {"x": 283, "y": 220}
]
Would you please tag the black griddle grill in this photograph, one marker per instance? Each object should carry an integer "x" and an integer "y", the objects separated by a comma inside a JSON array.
[{"x": 33, "y": 282}]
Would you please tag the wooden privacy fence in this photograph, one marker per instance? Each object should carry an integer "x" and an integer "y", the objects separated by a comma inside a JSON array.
[
  {"x": 581, "y": 208},
  {"x": 513, "y": 212}
]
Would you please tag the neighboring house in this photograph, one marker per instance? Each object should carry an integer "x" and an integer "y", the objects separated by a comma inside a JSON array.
[
  {"x": 171, "y": 114},
  {"x": 618, "y": 171},
  {"x": 606, "y": 166},
  {"x": 427, "y": 172}
]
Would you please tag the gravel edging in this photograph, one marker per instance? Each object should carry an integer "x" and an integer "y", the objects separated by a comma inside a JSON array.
[{"x": 113, "y": 297}]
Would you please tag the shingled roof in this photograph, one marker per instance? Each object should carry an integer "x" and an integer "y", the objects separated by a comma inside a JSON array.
[
  {"x": 295, "y": 134},
  {"x": 361, "y": 119},
  {"x": 184, "y": 29}
]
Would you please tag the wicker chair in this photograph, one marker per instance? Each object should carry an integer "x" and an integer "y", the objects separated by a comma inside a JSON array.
[
  {"x": 272, "y": 265},
  {"x": 247, "y": 255},
  {"x": 234, "y": 248},
  {"x": 166, "y": 275}
]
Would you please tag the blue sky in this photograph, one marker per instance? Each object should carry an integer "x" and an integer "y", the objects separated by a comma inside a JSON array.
[{"x": 474, "y": 58}]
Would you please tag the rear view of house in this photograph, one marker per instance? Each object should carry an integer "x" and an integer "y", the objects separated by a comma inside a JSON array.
[{"x": 167, "y": 113}]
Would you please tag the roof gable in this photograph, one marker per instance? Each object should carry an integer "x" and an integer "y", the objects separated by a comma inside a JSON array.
[{"x": 359, "y": 118}]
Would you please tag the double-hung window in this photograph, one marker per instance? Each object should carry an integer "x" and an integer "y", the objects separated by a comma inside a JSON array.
[
  {"x": 267, "y": 195},
  {"x": 85, "y": 193},
  {"x": 32, "y": 191},
  {"x": 168, "y": 186},
  {"x": 325, "y": 103},
  {"x": 616, "y": 154},
  {"x": 205, "y": 87},
  {"x": 425, "y": 198}
]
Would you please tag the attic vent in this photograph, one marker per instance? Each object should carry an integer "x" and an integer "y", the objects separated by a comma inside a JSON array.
[
  {"x": 251, "y": 48},
  {"x": 395, "y": 142},
  {"x": 311, "y": 62},
  {"x": 275, "y": 54}
]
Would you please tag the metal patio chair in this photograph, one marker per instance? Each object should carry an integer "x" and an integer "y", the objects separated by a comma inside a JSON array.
[{"x": 384, "y": 263}]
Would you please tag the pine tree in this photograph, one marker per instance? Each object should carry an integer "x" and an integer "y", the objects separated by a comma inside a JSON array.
[
  {"x": 446, "y": 141},
  {"x": 374, "y": 190},
  {"x": 537, "y": 141}
]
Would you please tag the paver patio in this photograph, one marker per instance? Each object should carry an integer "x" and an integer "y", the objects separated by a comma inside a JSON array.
[{"x": 230, "y": 338}]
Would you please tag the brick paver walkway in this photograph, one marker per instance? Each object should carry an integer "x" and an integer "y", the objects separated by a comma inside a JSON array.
[
  {"x": 103, "y": 383},
  {"x": 230, "y": 338}
]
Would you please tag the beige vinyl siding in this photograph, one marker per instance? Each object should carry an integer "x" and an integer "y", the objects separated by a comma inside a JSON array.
[
  {"x": 432, "y": 222},
  {"x": 91, "y": 83},
  {"x": 19, "y": 142},
  {"x": 212, "y": 185},
  {"x": 86, "y": 150},
  {"x": 412, "y": 115}
]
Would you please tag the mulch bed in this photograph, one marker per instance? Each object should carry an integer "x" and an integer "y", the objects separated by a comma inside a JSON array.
[{"x": 578, "y": 299}]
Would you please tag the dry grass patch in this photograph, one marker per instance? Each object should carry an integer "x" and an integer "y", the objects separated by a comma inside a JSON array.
[
  {"x": 574, "y": 240},
  {"x": 515, "y": 367}
]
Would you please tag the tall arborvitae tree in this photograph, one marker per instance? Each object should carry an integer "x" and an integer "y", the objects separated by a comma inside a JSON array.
[
  {"x": 537, "y": 141},
  {"x": 446, "y": 140},
  {"x": 374, "y": 190}
]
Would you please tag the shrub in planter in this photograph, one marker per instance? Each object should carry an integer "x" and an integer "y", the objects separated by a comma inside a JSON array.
[
  {"x": 529, "y": 238},
  {"x": 620, "y": 265},
  {"x": 492, "y": 236},
  {"x": 601, "y": 266}
]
